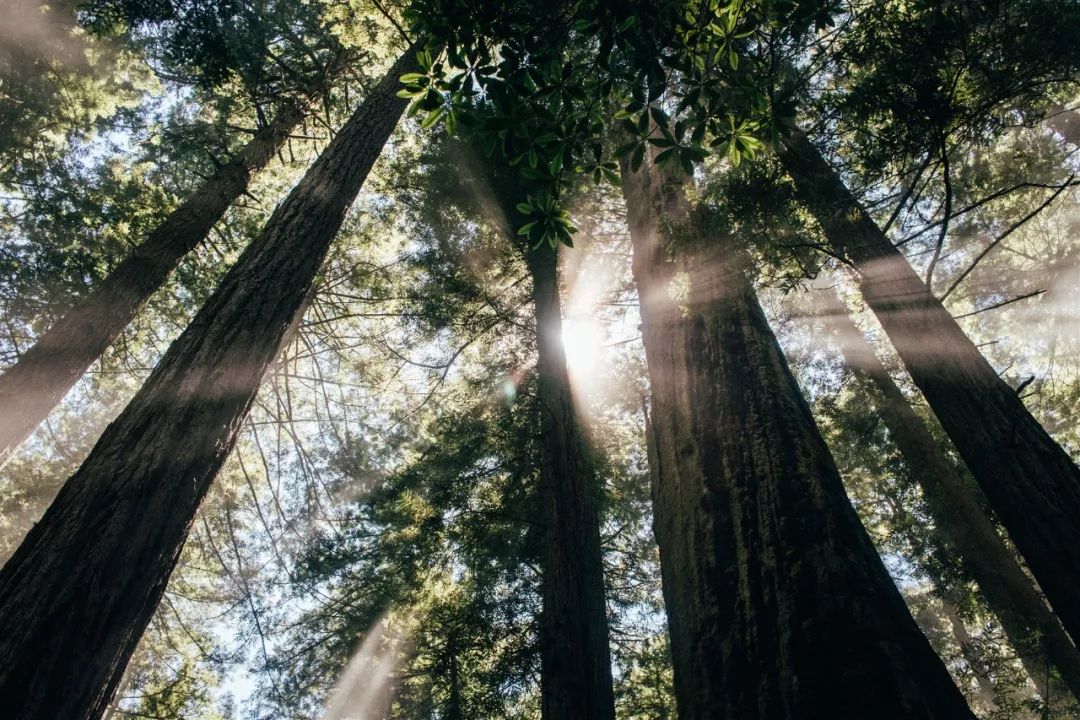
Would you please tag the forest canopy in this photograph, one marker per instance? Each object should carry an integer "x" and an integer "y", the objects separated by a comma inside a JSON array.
[{"x": 444, "y": 359}]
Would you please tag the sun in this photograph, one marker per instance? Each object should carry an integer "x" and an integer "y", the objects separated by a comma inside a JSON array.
[{"x": 581, "y": 338}]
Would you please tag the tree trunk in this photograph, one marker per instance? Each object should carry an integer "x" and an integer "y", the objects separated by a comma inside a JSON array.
[
  {"x": 79, "y": 591},
  {"x": 1031, "y": 482},
  {"x": 575, "y": 661},
  {"x": 978, "y": 668},
  {"x": 958, "y": 515},
  {"x": 778, "y": 605},
  {"x": 36, "y": 384}
]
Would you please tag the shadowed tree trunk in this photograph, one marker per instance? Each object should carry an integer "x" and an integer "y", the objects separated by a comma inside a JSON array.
[
  {"x": 1031, "y": 482},
  {"x": 575, "y": 674},
  {"x": 36, "y": 384},
  {"x": 79, "y": 591},
  {"x": 958, "y": 516},
  {"x": 778, "y": 605},
  {"x": 453, "y": 703}
]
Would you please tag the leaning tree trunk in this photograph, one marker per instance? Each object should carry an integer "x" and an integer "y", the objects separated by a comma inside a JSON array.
[
  {"x": 778, "y": 605},
  {"x": 964, "y": 642},
  {"x": 34, "y": 385},
  {"x": 79, "y": 591},
  {"x": 1031, "y": 627},
  {"x": 1031, "y": 482},
  {"x": 575, "y": 661}
]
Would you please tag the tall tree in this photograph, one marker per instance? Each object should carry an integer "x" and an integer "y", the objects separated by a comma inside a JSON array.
[
  {"x": 77, "y": 594},
  {"x": 35, "y": 384},
  {"x": 194, "y": 43},
  {"x": 778, "y": 604},
  {"x": 958, "y": 513},
  {"x": 1031, "y": 482},
  {"x": 575, "y": 674}
]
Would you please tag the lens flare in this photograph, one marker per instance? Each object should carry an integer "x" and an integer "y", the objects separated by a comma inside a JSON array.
[{"x": 581, "y": 338}]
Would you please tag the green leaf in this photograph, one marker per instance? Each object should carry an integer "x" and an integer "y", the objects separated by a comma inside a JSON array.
[
  {"x": 687, "y": 163},
  {"x": 432, "y": 118},
  {"x": 659, "y": 116},
  {"x": 666, "y": 156},
  {"x": 556, "y": 162}
]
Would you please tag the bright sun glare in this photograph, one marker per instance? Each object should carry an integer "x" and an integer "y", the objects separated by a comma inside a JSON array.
[{"x": 581, "y": 340}]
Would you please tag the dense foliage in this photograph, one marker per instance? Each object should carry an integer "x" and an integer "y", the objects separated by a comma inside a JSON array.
[{"x": 373, "y": 542}]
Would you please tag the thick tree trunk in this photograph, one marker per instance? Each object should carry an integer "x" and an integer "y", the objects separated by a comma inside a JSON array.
[
  {"x": 79, "y": 591},
  {"x": 575, "y": 672},
  {"x": 778, "y": 605},
  {"x": 34, "y": 385},
  {"x": 1031, "y": 482},
  {"x": 1031, "y": 627}
]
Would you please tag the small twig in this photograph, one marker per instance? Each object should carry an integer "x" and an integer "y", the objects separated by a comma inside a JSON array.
[
  {"x": 945, "y": 216},
  {"x": 1021, "y": 386},
  {"x": 907, "y": 195},
  {"x": 1003, "y": 303},
  {"x": 997, "y": 241}
]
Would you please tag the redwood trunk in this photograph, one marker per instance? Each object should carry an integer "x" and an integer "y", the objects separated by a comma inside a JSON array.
[
  {"x": 575, "y": 673},
  {"x": 79, "y": 591},
  {"x": 36, "y": 384},
  {"x": 1031, "y": 482},
  {"x": 778, "y": 605},
  {"x": 1031, "y": 627}
]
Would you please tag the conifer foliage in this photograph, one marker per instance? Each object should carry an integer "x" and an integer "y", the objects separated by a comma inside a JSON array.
[{"x": 443, "y": 359}]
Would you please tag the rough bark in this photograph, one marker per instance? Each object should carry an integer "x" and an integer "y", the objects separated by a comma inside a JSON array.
[
  {"x": 575, "y": 660},
  {"x": 36, "y": 384},
  {"x": 1032, "y": 483},
  {"x": 79, "y": 591},
  {"x": 958, "y": 515},
  {"x": 778, "y": 605}
]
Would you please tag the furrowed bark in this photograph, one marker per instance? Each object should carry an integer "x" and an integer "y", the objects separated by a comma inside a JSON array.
[
  {"x": 575, "y": 661},
  {"x": 79, "y": 591},
  {"x": 1032, "y": 483},
  {"x": 778, "y": 605},
  {"x": 958, "y": 515},
  {"x": 36, "y": 384}
]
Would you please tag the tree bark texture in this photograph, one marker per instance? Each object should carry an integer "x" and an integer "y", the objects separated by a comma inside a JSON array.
[
  {"x": 958, "y": 515},
  {"x": 778, "y": 605},
  {"x": 575, "y": 660},
  {"x": 1032, "y": 483},
  {"x": 36, "y": 384},
  {"x": 79, "y": 591}
]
